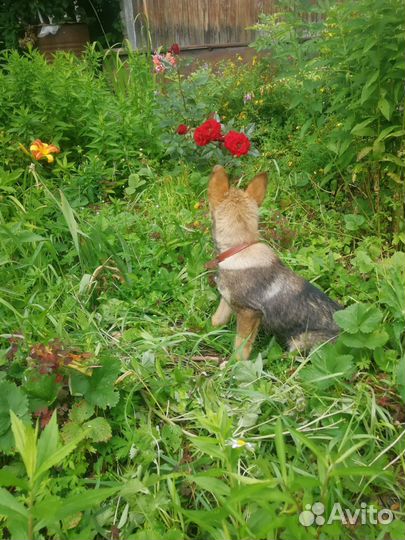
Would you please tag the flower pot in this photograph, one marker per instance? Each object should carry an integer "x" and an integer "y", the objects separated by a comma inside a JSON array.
[{"x": 71, "y": 37}]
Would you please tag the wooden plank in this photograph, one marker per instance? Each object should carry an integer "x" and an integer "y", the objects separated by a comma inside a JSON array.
[{"x": 195, "y": 22}]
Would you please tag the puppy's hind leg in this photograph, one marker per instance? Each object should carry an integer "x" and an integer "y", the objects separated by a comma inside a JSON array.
[
  {"x": 247, "y": 326},
  {"x": 222, "y": 314}
]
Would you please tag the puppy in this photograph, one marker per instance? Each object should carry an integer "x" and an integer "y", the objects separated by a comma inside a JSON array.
[{"x": 252, "y": 280}]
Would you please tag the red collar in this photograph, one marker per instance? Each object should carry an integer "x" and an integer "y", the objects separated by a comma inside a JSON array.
[{"x": 210, "y": 265}]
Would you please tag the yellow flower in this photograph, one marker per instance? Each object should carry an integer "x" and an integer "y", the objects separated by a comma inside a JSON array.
[
  {"x": 41, "y": 150},
  {"x": 197, "y": 205},
  {"x": 239, "y": 443}
]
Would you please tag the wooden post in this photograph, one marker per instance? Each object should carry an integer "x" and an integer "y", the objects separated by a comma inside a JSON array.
[{"x": 127, "y": 10}]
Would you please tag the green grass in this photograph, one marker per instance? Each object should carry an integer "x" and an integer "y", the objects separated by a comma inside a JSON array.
[
  {"x": 138, "y": 293},
  {"x": 105, "y": 308}
]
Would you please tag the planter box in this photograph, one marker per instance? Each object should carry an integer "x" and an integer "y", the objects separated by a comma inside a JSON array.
[{"x": 71, "y": 37}]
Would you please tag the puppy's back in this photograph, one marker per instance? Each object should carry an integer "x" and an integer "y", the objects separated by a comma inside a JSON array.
[{"x": 291, "y": 307}]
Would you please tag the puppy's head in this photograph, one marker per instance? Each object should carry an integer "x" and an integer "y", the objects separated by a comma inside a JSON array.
[{"x": 234, "y": 212}]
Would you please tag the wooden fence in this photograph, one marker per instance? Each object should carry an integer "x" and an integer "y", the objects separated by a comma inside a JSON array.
[{"x": 193, "y": 24}]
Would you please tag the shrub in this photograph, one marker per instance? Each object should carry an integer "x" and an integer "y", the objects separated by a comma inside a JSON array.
[
  {"x": 106, "y": 127},
  {"x": 347, "y": 91}
]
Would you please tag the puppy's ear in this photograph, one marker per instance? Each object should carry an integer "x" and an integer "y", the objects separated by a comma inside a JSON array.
[
  {"x": 257, "y": 188},
  {"x": 218, "y": 186}
]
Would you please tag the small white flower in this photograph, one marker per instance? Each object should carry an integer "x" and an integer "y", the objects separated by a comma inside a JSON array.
[
  {"x": 132, "y": 451},
  {"x": 240, "y": 443}
]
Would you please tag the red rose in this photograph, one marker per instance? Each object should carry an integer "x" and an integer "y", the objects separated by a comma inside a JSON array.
[
  {"x": 182, "y": 129},
  {"x": 175, "y": 49},
  {"x": 208, "y": 131},
  {"x": 237, "y": 143}
]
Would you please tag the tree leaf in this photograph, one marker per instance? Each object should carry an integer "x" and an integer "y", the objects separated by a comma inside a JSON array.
[
  {"x": 362, "y": 128},
  {"x": 385, "y": 108},
  {"x": 48, "y": 441},
  {"x": 26, "y": 443},
  {"x": 213, "y": 485}
]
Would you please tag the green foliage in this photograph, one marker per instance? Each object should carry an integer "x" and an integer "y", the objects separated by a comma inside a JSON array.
[
  {"x": 11, "y": 399},
  {"x": 328, "y": 368},
  {"x": 346, "y": 91},
  {"x": 40, "y": 455},
  {"x": 359, "y": 318},
  {"x": 70, "y": 103},
  {"x": 105, "y": 306},
  {"x": 98, "y": 389},
  {"x": 291, "y": 32},
  {"x": 80, "y": 420}
]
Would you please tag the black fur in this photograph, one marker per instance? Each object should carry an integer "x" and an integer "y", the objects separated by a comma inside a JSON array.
[{"x": 298, "y": 308}]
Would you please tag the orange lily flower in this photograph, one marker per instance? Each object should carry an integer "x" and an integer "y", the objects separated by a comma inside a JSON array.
[{"x": 41, "y": 150}]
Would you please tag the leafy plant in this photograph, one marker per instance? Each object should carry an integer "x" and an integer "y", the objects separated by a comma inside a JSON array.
[
  {"x": 347, "y": 93},
  {"x": 328, "y": 368},
  {"x": 361, "y": 324},
  {"x": 40, "y": 455},
  {"x": 80, "y": 420},
  {"x": 105, "y": 304},
  {"x": 98, "y": 389},
  {"x": 11, "y": 399}
]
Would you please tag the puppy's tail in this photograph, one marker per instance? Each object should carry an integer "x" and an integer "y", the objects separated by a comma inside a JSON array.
[{"x": 306, "y": 341}]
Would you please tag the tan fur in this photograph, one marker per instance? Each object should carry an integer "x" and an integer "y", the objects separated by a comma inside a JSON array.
[
  {"x": 253, "y": 282},
  {"x": 257, "y": 188},
  {"x": 247, "y": 326},
  {"x": 223, "y": 313},
  {"x": 235, "y": 212},
  {"x": 236, "y": 220},
  {"x": 218, "y": 186}
]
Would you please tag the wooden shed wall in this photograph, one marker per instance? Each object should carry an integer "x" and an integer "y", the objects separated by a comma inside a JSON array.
[{"x": 197, "y": 23}]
